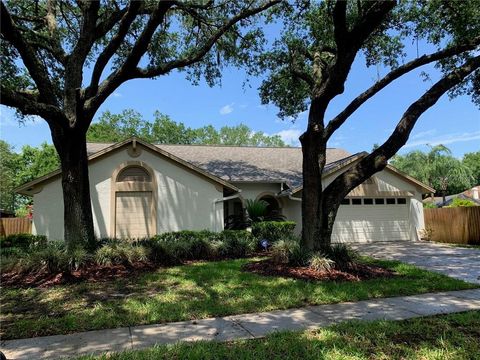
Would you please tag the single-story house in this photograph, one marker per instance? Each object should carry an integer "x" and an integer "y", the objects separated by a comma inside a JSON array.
[{"x": 140, "y": 189}]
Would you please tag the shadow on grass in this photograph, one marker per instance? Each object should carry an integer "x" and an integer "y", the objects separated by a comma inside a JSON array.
[
  {"x": 199, "y": 290},
  {"x": 440, "y": 337}
]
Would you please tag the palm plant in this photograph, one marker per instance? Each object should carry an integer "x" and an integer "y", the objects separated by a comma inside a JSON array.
[{"x": 256, "y": 209}]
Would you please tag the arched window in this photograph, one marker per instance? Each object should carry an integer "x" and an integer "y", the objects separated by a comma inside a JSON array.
[
  {"x": 273, "y": 207},
  {"x": 134, "y": 173}
]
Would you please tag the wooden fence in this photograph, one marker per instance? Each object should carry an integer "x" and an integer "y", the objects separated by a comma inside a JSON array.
[
  {"x": 454, "y": 225},
  {"x": 10, "y": 226}
]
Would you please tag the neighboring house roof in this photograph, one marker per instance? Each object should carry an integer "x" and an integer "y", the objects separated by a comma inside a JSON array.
[
  {"x": 24, "y": 189},
  {"x": 244, "y": 163},
  {"x": 468, "y": 194}
]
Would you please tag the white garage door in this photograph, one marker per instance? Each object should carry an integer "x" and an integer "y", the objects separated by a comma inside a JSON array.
[
  {"x": 133, "y": 214},
  {"x": 365, "y": 220}
]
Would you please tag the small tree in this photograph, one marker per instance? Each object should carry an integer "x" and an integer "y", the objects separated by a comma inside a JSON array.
[{"x": 62, "y": 59}]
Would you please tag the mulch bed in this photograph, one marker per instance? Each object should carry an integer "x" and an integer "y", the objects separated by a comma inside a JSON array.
[
  {"x": 358, "y": 272},
  {"x": 91, "y": 273}
]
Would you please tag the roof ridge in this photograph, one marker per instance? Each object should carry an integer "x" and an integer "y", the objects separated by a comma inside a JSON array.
[{"x": 217, "y": 145}]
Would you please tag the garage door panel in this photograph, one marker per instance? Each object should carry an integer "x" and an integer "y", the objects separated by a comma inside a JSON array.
[
  {"x": 133, "y": 214},
  {"x": 365, "y": 223}
]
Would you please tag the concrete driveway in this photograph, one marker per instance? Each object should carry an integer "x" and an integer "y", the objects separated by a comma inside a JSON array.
[{"x": 456, "y": 262}]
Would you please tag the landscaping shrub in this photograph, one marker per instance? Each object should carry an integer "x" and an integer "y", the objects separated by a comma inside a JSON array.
[
  {"x": 116, "y": 253},
  {"x": 237, "y": 243},
  {"x": 166, "y": 249},
  {"x": 52, "y": 257},
  {"x": 273, "y": 230},
  {"x": 320, "y": 262},
  {"x": 290, "y": 252},
  {"x": 343, "y": 255},
  {"x": 23, "y": 241},
  {"x": 174, "y": 247}
]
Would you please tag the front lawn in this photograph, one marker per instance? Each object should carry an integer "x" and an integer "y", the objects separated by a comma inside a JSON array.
[
  {"x": 443, "y": 337},
  {"x": 198, "y": 290}
]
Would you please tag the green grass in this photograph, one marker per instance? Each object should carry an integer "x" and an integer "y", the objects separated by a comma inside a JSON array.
[
  {"x": 455, "y": 337},
  {"x": 199, "y": 290},
  {"x": 464, "y": 246}
]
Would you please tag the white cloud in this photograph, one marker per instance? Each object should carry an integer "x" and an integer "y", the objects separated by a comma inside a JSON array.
[
  {"x": 227, "y": 109},
  {"x": 290, "y": 136},
  {"x": 446, "y": 139},
  {"x": 423, "y": 134},
  {"x": 117, "y": 94}
]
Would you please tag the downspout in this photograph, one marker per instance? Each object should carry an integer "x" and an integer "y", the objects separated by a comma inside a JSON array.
[{"x": 215, "y": 201}]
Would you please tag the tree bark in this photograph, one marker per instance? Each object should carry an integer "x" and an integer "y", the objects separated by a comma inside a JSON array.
[
  {"x": 314, "y": 150},
  {"x": 78, "y": 220}
]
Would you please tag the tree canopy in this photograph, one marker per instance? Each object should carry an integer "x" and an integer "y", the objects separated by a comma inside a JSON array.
[
  {"x": 472, "y": 161},
  {"x": 62, "y": 59},
  {"x": 163, "y": 130},
  {"x": 19, "y": 168},
  {"x": 436, "y": 168},
  {"x": 308, "y": 65}
]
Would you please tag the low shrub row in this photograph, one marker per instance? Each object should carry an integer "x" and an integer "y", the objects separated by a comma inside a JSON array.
[
  {"x": 165, "y": 249},
  {"x": 23, "y": 241},
  {"x": 26, "y": 253}
]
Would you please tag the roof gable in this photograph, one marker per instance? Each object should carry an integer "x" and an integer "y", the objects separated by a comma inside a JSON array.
[{"x": 105, "y": 150}]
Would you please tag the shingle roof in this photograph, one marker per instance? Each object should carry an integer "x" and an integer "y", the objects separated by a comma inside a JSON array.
[{"x": 244, "y": 163}]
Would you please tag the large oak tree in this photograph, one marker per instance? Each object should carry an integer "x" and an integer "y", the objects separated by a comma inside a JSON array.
[
  {"x": 62, "y": 59},
  {"x": 309, "y": 65}
]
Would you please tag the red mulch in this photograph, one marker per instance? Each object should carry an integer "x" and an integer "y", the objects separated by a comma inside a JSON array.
[
  {"x": 357, "y": 272},
  {"x": 92, "y": 273}
]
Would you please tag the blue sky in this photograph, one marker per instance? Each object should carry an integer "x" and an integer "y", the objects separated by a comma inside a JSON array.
[{"x": 454, "y": 123}]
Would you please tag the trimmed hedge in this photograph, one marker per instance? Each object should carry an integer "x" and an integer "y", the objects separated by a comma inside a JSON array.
[
  {"x": 273, "y": 230},
  {"x": 23, "y": 241},
  {"x": 174, "y": 247}
]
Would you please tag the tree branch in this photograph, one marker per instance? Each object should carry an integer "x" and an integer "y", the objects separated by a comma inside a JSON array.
[
  {"x": 112, "y": 46},
  {"x": 338, "y": 120},
  {"x": 125, "y": 71},
  {"x": 37, "y": 70},
  {"x": 128, "y": 71},
  {"x": 76, "y": 60},
  {"x": 27, "y": 103},
  {"x": 348, "y": 44},
  {"x": 340, "y": 23},
  {"x": 200, "y": 52},
  {"x": 378, "y": 159}
]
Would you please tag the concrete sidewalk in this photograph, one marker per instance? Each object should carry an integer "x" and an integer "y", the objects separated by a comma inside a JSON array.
[{"x": 246, "y": 326}]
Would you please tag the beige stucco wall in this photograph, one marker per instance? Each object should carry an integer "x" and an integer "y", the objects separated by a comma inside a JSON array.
[{"x": 185, "y": 199}]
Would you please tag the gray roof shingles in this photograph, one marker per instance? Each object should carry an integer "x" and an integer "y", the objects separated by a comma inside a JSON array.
[{"x": 243, "y": 163}]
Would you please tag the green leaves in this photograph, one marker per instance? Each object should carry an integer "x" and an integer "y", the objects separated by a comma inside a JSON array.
[
  {"x": 437, "y": 168},
  {"x": 163, "y": 130}
]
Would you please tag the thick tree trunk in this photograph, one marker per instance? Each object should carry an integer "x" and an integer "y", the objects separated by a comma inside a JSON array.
[
  {"x": 328, "y": 213},
  {"x": 313, "y": 163},
  {"x": 78, "y": 221}
]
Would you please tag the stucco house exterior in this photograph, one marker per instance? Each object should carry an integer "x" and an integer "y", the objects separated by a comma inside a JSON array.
[{"x": 140, "y": 189}]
